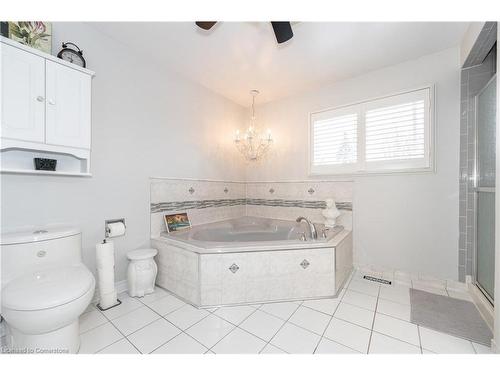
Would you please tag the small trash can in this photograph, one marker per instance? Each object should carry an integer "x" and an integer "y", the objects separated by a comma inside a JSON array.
[{"x": 141, "y": 272}]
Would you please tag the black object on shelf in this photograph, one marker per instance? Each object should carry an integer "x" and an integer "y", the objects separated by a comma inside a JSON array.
[{"x": 42, "y": 164}]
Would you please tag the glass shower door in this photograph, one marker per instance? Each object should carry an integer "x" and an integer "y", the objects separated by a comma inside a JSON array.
[{"x": 485, "y": 188}]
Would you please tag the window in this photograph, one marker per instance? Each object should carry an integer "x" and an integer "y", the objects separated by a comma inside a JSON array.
[{"x": 388, "y": 134}]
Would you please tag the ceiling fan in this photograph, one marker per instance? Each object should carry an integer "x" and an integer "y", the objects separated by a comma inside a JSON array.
[{"x": 282, "y": 30}]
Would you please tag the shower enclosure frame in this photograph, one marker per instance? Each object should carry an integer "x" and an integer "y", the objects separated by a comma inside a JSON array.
[{"x": 477, "y": 190}]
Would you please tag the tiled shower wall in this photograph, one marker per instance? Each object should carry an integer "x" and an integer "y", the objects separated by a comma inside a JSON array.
[
  {"x": 210, "y": 201},
  {"x": 473, "y": 79}
]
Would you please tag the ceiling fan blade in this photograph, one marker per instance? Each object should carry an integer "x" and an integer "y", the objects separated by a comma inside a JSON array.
[
  {"x": 283, "y": 31},
  {"x": 205, "y": 25}
]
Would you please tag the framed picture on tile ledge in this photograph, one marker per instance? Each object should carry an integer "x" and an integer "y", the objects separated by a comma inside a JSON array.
[
  {"x": 36, "y": 34},
  {"x": 177, "y": 222}
]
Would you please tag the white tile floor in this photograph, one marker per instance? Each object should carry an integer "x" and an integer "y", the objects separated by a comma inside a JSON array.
[{"x": 365, "y": 318}]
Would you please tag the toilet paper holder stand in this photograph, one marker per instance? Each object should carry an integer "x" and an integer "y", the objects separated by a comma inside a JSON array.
[
  {"x": 112, "y": 221},
  {"x": 106, "y": 235}
]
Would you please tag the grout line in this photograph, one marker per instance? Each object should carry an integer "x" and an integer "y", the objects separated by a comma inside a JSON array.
[
  {"x": 209, "y": 313},
  {"x": 168, "y": 321},
  {"x": 126, "y": 338},
  {"x": 253, "y": 334},
  {"x": 279, "y": 329},
  {"x": 473, "y": 347},
  {"x": 114, "y": 342},
  {"x": 108, "y": 321},
  {"x": 395, "y": 338},
  {"x": 238, "y": 326},
  {"x": 159, "y": 346},
  {"x": 274, "y": 346},
  {"x": 318, "y": 311},
  {"x": 243, "y": 329},
  {"x": 97, "y": 326},
  {"x": 351, "y": 277},
  {"x": 420, "y": 339},
  {"x": 164, "y": 317},
  {"x": 373, "y": 323},
  {"x": 189, "y": 326},
  {"x": 223, "y": 337},
  {"x": 144, "y": 326},
  {"x": 394, "y": 317}
]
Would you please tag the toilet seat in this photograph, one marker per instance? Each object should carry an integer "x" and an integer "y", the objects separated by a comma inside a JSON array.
[{"x": 47, "y": 288}]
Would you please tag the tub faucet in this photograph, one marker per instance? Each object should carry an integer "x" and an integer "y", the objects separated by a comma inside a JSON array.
[{"x": 312, "y": 229}]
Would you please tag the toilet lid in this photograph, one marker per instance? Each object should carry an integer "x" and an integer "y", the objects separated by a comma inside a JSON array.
[
  {"x": 141, "y": 254},
  {"x": 47, "y": 288}
]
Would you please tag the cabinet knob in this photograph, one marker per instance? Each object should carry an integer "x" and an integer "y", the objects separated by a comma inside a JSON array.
[
  {"x": 52, "y": 102},
  {"x": 40, "y": 98}
]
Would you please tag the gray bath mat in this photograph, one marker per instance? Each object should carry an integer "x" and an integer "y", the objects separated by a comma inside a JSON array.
[{"x": 449, "y": 315}]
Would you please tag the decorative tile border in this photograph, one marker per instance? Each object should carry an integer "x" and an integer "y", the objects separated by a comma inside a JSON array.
[
  {"x": 296, "y": 203},
  {"x": 199, "y": 204},
  {"x": 209, "y": 203}
]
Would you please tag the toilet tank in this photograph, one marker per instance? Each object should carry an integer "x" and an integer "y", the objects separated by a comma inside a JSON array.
[{"x": 27, "y": 251}]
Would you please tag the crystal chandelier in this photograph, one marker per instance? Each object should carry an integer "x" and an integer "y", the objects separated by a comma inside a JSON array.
[{"x": 252, "y": 144}]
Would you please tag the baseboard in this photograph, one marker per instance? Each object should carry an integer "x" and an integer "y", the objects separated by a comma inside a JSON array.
[
  {"x": 120, "y": 287},
  {"x": 407, "y": 278}
]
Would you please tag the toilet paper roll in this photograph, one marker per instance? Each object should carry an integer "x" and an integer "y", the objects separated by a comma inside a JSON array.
[
  {"x": 116, "y": 229},
  {"x": 105, "y": 261},
  {"x": 105, "y": 254}
]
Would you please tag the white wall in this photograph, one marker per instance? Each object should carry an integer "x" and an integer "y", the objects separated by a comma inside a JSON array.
[
  {"x": 406, "y": 222},
  {"x": 145, "y": 122}
]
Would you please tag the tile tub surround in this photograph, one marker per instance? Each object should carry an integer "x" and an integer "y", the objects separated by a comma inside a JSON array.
[
  {"x": 473, "y": 79},
  {"x": 208, "y": 201},
  {"x": 256, "y": 275},
  {"x": 286, "y": 200},
  {"x": 314, "y": 326},
  {"x": 205, "y": 201}
]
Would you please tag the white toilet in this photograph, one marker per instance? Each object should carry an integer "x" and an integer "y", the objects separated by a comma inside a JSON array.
[{"x": 45, "y": 288}]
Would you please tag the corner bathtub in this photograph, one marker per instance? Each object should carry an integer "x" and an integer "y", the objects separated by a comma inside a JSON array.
[{"x": 250, "y": 260}]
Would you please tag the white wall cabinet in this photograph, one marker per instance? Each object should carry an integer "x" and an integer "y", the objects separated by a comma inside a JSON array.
[
  {"x": 45, "y": 111},
  {"x": 67, "y": 106},
  {"x": 23, "y": 95}
]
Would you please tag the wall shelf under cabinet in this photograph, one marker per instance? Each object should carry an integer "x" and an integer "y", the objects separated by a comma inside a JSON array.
[
  {"x": 17, "y": 157},
  {"x": 50, "y": 173}
]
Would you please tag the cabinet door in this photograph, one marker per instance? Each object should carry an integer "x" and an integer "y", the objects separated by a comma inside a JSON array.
[
  {"x": 68, "y": 106},
  {"x": 23, "y": 95}
]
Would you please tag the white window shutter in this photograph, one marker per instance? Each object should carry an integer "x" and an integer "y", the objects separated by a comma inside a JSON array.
[
  {"x": 335, "y": 140},
  {"x": 393, "y": 133}
]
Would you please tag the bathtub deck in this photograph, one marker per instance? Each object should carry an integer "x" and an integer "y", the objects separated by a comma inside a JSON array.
[{"x": 246, "y": 277}]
